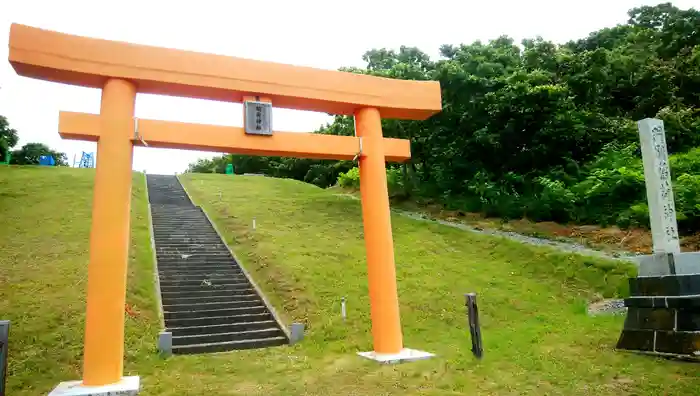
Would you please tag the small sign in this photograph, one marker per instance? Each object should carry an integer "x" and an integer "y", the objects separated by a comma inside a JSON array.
[
  {"x": 4, "y": 335},
  {"x": 258, "y": 118}
]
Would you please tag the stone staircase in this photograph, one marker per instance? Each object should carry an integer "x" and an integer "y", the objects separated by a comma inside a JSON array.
[{"x": 209, "y": 303}]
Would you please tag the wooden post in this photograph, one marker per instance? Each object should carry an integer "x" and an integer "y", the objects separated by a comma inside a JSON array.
[
  {"x": 381, "y": 271},
  {"x": 109, "y": 237},
  {"x": 474, "y": 326}
]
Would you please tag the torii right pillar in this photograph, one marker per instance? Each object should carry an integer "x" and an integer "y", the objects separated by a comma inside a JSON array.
[
  {"x": 381, "y": 270},
  {"x": 663, "y": 311}
]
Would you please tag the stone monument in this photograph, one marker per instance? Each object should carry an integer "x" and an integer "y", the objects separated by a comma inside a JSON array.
[{"x": 663, "y": 315}]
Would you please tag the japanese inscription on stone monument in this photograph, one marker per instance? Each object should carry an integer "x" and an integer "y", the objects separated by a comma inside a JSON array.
[{"x": 657, "y": 175}]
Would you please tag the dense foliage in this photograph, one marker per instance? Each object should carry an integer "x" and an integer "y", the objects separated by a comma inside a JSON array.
[
  {"x": 542, "y": 130},
  {"x": 8, "y": 138},
  {"x": 29, "y": 153}
]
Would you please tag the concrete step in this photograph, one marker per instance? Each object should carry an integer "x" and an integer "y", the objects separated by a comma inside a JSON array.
[
  {"x": 204, "y": 265},
  {"x": 203, "y": 287},
  {"x": 198, "y": 264},
  {"x": 208, "y": 292},
  {"x": 174, "y": 278},
  {"x": 193, "y": 239},
  {"x": 212, "y": 306},
  {"x": 180, "y": 233},
  {"x": 183, "y": 237},
  {"x": 189, "y": 210},
  {"x": 217, "y": 320},
  {"x": 188, "y": 281},
  {"x": 195, "y": 273},
  {"x": 204, "y": 250},
  {"x": 229, "y": 346},
  {"x": 181, "y": 273},
  {"x": 176, "y": 300},
  {"x": 174, "y": 217},
  {"x": 184, "y": 226},
  {"x": 192, "y": 247},
  {"x": 196, "y": 251},
  {"x": 163, "y": 241},
  {"x": 208, "y": 265},
  {"x": 186, "y": 238},
  {"x": 174, "y": 315},
  {"x": 168, "y": 215},
  {"x": 195, "y": 243},
  {"x": 192, "y": 250},
  {"x": 196, "y": 258},
  {"x": 224, "y": 328},
  {"x": 191, "y": 257},
  {"x": 183, "y": 229},
  {"x": 176, "y": 210},
  {"x": 226, "y": 337},
  {"x": 201, "y": 223}
]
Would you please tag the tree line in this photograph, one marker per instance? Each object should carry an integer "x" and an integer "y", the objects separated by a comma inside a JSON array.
[
  {"x": 29, "y": 153},
  {"x": 539, "y": 130}
]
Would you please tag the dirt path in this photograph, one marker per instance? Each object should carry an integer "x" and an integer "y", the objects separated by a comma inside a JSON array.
[
  {"x": 554, "y": 239},
  {"x": 570, "y": 247}
]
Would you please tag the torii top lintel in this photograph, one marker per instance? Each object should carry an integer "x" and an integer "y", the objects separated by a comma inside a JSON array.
[{"x": 89, "y": 62}]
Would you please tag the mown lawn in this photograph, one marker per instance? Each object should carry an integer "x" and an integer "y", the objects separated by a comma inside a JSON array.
[
  {"x": 307, "y": 252},
  {"x": 43, "y": 274}
]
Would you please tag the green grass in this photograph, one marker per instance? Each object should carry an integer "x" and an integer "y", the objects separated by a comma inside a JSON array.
[
  {"x": 307, "y": 253},
  {"x": 43, "y": 274}
]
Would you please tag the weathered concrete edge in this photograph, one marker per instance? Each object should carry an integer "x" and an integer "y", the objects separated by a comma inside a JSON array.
[
  {"x": 267, "y": 303},
  {"x": 156, "y": 277}
]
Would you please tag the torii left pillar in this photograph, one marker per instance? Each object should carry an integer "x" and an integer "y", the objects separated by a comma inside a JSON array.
[{"x": 109, "y": 250}]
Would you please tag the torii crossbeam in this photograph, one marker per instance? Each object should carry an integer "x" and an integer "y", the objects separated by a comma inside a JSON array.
[{"x": 121, "y": 70}]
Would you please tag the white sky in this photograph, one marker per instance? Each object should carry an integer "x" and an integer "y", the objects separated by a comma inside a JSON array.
[{"x": 324, "y": 34}]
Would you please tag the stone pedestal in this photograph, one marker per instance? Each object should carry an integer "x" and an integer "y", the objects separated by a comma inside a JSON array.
[{"x": 663, "y": 311}]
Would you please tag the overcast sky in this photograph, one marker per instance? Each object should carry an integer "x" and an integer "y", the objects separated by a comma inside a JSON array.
[{"x": 323, "y": 34}]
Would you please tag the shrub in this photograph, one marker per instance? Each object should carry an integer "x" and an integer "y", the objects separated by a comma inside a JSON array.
[
  {"x": 350, "y": 179},
  {"x": 395, "y": 180}
]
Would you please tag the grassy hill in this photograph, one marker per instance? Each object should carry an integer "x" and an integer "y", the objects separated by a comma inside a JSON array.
[
  {"x": 306, "y": 253},
  {"x": 44, "y": 243}
]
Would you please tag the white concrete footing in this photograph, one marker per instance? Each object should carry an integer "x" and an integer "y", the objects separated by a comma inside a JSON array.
[
  {"x": 128, "y": 386},
  {"x": 405, "y": 355}
]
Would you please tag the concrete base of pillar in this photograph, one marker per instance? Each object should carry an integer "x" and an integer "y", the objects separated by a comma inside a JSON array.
[
  {"x": 128, "y": 386},
  {"x": 405, "y": 355}
]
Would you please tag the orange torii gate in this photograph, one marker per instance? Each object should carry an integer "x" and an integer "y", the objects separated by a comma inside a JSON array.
[{"x": 121, "y": 70}]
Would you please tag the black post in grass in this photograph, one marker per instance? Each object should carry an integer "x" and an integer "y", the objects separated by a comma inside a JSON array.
[
  {"x": 4, "y": 335},
  {"x": 474, "y": 326}
]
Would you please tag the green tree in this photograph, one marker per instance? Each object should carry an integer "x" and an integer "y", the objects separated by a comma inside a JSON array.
[
  {"x": 527, "y": 130},
  {"x": 8, "y": 138},
  {"x": 29, "y": 155}
]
